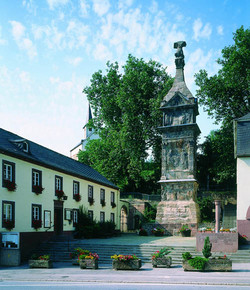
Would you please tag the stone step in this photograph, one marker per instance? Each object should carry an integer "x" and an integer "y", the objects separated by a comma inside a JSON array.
[{"x": 60, "y": 250}]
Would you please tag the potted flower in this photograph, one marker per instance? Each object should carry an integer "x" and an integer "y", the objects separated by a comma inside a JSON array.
[
  {"x": 160, "y": 258},
  {"x": 77, "y": 197},
  {"x": 40, "y": 261},
  {"x": 59, "y": 193},
  {"x": 126, "y": 262},
  {"x": 74, "y": 255},
  {"x": 242, "y": 240},
  {"x": 185, "y": 231},
  {"x": 88, "y": 260},
  {"x": 38, "y": 189},
  {"x": 36, "y": 224},
  {"x": 8, "y": 224},
  {"x": 113, "y": 204},
  {"x": 10, "y": 185},
  {"x": 103, "y": 203},
  {"x": 158, "y": 232}
]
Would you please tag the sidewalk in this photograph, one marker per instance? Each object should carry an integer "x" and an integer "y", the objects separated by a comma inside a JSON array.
[{"x": 65, "y": 272}]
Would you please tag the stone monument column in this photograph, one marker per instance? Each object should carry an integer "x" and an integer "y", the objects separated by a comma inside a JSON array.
[{"x": 179, "y": 134}]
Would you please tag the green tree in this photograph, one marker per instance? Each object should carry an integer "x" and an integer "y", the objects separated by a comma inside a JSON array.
[
  {"x": 126, "y": 109},
  {"x": 225, "y": 96}
]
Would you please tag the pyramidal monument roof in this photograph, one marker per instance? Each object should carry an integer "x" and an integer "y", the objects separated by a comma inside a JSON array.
[{"x": 179, "y": 84}]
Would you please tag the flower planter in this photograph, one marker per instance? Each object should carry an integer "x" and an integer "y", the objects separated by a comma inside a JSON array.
[
  {"x": 214, "y": 264},
  {"x": 162, "y": 262},
  {"x": 126, "y": 265},
  {"x": 88, "y": 263},
  {"x": 40, "y": 264}
]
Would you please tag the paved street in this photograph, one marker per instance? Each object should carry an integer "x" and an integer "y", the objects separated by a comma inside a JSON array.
[{"x": 65, "y": 275}]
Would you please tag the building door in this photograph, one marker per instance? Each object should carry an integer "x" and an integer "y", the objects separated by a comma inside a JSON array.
[{"x": 58, "y": 217}]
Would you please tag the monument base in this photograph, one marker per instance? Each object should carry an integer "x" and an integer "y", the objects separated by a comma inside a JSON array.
[{"x": 173, "y": 214}]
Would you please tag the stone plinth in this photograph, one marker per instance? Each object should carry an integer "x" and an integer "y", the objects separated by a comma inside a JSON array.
[
  {"x": 173, "y": 214},
  {"x": 221, "y": 242}
]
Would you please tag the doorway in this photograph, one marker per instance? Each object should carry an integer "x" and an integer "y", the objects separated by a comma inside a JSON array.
[{"x": 58, "y": 217}]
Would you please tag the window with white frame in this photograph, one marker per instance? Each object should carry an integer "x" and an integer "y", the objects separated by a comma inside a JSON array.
[
  {"x": 102, "y": 195},
  {"x": 8, "y": 173},
  {"x": 76, "y": 187},
  {"x": 75, "y": 216},
  {"x": 58, "y": 183},
  {"x": 90, "y": 192},
  {"x": 8, "y": 214},
  {"x": 36, "y": 216},
  {"x": 37, "y": 181},
  {"x": 112, "y": 197},
  {"x": 112, "y": 217},
  {"x": 91, "y": 215},
  {"x": 102, "y": 216}
]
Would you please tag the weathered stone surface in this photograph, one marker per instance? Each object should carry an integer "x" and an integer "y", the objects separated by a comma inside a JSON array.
[
  {"x": 221, "y": 242},
  {"x": 88, "y": 263},
  {"x": 179, "y": 135},
  {"x": 165, "y": 262},
  {"x": 40, "y": 264},
  {"x": 126, "y": 265},
  {"x": 213, "y": 264}
]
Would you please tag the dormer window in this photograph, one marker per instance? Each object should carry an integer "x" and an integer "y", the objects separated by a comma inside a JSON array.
[
  {"x": 22, "y": 144},
  {"x": 25, "y": 147}
]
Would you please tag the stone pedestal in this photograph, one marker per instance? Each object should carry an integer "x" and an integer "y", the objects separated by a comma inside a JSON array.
[{"x": 173, "y": 214}]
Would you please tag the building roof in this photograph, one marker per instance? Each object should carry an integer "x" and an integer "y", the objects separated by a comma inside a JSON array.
[
  {"x": 12, "y": 145},
  {"x": 243, "y": 136}
]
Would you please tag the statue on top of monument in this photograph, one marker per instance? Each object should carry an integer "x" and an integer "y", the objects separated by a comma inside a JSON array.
[{"x": 179, "y": 61}]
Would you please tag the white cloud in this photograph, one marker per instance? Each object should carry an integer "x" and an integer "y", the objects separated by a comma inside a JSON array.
[
  {"x": 30, "y": 5},
  {"x": 201, "y": 31},
  {"x": 101, "y": 52},
  {"x": 101, "y": 7},
  {"x": 18, "y": 30},
  {"x": 154, "y": 7},
  {"x": 2, "y": 41},
  {"x": 73, "y": 37},
  {"x": 123, "y": 4},
  {"x": 84, "y": 6},
  {"x": 75, "y": 61},
  {"x": 54, "y": 3},
  {"x": 23, "y": 42},
  {"x": 220, "y": 30}
]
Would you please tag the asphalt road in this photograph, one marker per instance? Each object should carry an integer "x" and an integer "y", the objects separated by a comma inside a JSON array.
[{"x": 66, "y": 276}]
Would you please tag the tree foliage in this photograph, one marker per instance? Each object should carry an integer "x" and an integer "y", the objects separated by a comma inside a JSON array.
[
  {"x": 126, "y": 109},
  {"x": 226, "y": 96},
  {"x": 216, "y": 164}
]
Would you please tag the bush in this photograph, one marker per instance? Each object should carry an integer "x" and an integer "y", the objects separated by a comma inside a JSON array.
[
  {"x": 207, "y": 248},
  {"x": 206, "y": 205},
  {"x": 186, "y": 256},
  {"x": 198, "y": 263}
]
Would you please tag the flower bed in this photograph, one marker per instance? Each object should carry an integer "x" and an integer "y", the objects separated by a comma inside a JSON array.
[
  {"x": 43, "y": 261},
  {"x": 158, "y": 232},
  {"x": 126, "y": 262},
  {"x": 160, "y": 258}
]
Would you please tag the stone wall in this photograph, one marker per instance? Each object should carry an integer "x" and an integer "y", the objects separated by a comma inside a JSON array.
[{"x": 221, "y": 242}]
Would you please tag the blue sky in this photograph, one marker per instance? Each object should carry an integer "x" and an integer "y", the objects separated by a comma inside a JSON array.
[{"x": 49, "y": 50}]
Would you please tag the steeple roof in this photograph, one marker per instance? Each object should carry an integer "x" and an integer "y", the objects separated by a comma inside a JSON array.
[{"x": 179, "y": 84}]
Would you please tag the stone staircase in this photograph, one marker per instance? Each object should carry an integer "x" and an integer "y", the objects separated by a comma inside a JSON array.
[{"x": 60, "y": 250}]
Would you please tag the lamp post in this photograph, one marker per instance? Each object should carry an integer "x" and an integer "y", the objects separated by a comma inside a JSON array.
[{"x": 217, "y": 215}]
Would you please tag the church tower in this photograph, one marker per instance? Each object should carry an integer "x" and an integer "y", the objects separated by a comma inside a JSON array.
[{"x": 179, "y": 135}]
